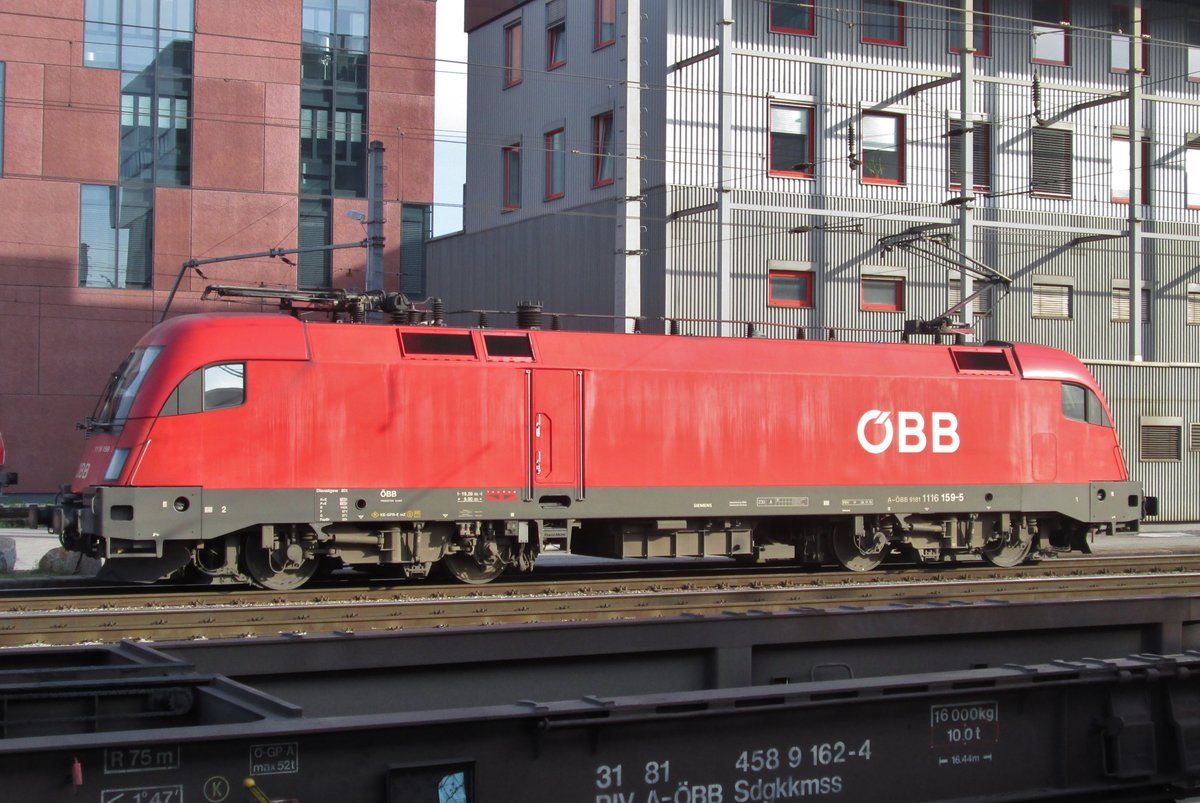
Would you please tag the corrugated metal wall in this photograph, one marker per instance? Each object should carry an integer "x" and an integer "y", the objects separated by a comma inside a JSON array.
[
  {"x": 538, "y": 259},
  {"x": 1028, "y": 238},
  {"x": 567, "y": 97},
  {"x": 1140, "y": 391}
]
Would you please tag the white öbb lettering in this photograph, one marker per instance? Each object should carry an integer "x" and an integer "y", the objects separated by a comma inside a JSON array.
[{"x": 877, "y": 432}]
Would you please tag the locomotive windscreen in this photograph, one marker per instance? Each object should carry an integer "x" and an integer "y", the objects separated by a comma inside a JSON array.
[{"x": 123, "y": 387}]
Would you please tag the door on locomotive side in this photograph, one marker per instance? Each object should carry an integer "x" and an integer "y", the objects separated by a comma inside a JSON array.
[{"x": 555, "y": 446}]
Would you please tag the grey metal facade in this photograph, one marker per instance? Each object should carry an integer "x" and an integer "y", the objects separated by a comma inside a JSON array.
[{"x": 716, "y": 218}]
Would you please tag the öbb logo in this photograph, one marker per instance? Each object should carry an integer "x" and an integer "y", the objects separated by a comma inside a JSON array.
[{"x": 908, "y": 432}]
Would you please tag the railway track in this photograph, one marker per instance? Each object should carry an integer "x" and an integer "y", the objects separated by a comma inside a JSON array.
[{"x": 233, "y": 613}]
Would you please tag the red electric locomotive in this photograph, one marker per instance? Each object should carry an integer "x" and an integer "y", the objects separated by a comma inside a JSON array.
[{"x": 262, "y": 448}]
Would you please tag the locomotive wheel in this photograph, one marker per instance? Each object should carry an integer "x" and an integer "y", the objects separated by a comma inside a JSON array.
[
  {"x": 1012, "y": 551},
  {"x": 858, "y": 554},
  {"x": 466, "y": 569},
  {"x": 272, "y": 568}
]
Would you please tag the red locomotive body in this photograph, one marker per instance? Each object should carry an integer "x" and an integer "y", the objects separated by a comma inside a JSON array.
[{"x": 265, "y": 447}]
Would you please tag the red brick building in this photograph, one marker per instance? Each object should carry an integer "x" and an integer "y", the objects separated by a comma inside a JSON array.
[{"x": 136, "y": 135}]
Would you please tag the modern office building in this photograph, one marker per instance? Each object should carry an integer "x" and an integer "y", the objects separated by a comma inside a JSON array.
[
  {"x": 138, "y": 134},
  {"x": 822, "y": 168}
]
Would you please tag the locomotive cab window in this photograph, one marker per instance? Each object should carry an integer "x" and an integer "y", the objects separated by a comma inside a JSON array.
[
  {"x": 224, "y": 385},
  {"x": 213, "y": 387},
  {"x": 1081, "y": 404},
  {"x": 123, "y": 387}
]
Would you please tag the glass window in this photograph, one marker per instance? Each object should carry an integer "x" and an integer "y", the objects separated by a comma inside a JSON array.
[
  {"x": 349, "y": 152},
  {"x": 981, "y": 151},
  {"x": 884, "y": 293},
  {"x": 883, "y": 22},
  {"x": 1051, "y": 42},
  {"x": 1193, "y": 50},
  {"x": 139, "y": 39},
  {"x": 1081, "y": 404},
  {"x": 415, "y": 222},
  {"x": 352, "y": 23},
  {"x": 556, "y": 164},
  {"x": 316, "y": 150},
  {"x": 606, "y": 22},
  {"x": 981, "y": 29},
  {"x": 602, "y": 149},
  {"x": 116, "y": 236},
  {"x": 556, "y": 34},
  {"x": 1096, "y": 414},
  {"x": 1074, "y": 402},
  {"x": 123, "y": 386},
  {"x": 511, "y": 158},
  {"x": 224, "y": 385},
  {"x": 1051, "y": 169},
  {"x": 983, "y": 301},
  {"x": 1121, "y": 175},
  {"x": 1191, "y": 168},
  {"x": 1, "y": 118},
  {"x": 1193, "y": 305},
  {"x": 175, "y": 21},
  {"x": 333, "y": 97},
  {"x": 790, "y": 288},
  {"x": 1119, "y": 40},
  {"x": 101, "y": 33},
  {"x": 314, "y": 268},
  {"x": 151, "y": 42},
  {"x": 316, "y": 22},
  {"x": 882, "y": 148},
  {"x": 1120, "y": 302},
  {"x": 512, "y": 54},
  {"x": 1052, "y": 300},
  {"x": 791, "y": 143},
  {"x": 792, "y": 16}
]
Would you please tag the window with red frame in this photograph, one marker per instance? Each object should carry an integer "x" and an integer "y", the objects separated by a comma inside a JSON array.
[
  {"x": 556, "y": 34},
  {"x": 790, "y": 288},
  {"x": 606, "y": 22},
  {"x": 885, "y": 293},
  {"x": 1191, "y": 170},
  {"x": 1051, "y": 39},
  {"x": 883, "y": 22},
  {"x": 882, "y": 148},
  {"x": 556, "y": 164},
  {"x": 511, "y": 158},
  {"x": 1118, "y": 46},
  {"x": 981, "y": 150},
  {"x": 602, "y": 149},
  {"x": 512, "y": 54},
  {"x": 1193, "y": 49},
  {"x": 981, "y": 30},
  {"x": 1119, "y": 159},
  {"x": 793, "y": 16},
  {"x": 791, "y": 144}
]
